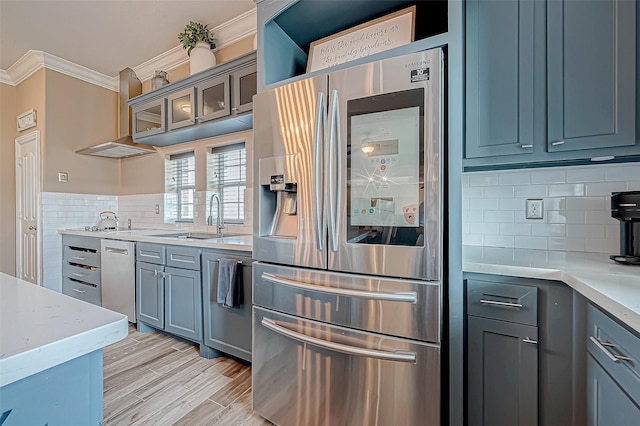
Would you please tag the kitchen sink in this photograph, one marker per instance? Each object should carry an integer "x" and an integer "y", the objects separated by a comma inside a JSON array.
[{"x": 195, "y": 235}]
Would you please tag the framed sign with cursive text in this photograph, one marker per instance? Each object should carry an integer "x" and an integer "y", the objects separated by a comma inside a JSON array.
[{"x": 378, "y": 35}]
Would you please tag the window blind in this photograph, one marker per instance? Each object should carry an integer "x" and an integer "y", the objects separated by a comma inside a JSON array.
[
  {"x": 180, "y": 185},
  {"x": 227, "y": 176}
]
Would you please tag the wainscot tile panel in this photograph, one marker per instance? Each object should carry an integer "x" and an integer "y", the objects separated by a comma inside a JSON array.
[{"x": 576, "y": 204}]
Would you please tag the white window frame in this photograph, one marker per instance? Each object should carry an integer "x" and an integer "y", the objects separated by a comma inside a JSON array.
[
  {"x": 241, "y": 184},
  {"x": 173, "y": 206}
]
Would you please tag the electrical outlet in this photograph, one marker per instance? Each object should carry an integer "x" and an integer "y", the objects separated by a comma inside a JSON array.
[
  {"x": 534, "y": 209},
  {"x": 157, "y": 208}
]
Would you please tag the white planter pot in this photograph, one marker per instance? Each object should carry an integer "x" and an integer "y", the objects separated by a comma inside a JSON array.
[{"x": 201, "y": 57}]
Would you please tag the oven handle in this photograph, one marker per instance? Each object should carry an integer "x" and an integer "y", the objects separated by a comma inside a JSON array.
[
  {"x": 408, "y": 296},
  {"x": 400, "y": 356}
]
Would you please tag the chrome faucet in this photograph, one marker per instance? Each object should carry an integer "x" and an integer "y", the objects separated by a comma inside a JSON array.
[{"x": 219, "y": 222}]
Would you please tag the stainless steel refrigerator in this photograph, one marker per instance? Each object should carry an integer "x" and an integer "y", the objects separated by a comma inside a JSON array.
[{"x": 348, "y": 195}]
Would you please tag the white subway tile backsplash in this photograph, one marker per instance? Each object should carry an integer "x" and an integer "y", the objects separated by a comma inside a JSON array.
[
  {"x": 549, "y": 176},
  {"x": 568, "y": 190},
  {"x": 576, "y": 207}
]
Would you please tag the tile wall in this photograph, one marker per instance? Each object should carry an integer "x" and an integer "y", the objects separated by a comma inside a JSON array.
[
  {"x": 576, "y": 207},
  {"x": 62, "y": 210}
]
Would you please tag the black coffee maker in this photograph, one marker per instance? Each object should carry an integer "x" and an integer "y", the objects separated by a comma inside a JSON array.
[{"x": 625, "y": 206}]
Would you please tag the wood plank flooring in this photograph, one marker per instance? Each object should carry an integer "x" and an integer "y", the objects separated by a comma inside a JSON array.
[{"x": 153, "y": 379}]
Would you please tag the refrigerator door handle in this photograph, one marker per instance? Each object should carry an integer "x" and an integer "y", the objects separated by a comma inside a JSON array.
[
  {"x": 318, "y": 203},
  {"x": 408, "y": 296},
  {"x": 400, "y": 356},
  {"x": 335, "y": 160}
]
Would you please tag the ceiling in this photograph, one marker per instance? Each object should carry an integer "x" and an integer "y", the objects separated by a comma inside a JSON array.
[{"x": 105, "y": 36}]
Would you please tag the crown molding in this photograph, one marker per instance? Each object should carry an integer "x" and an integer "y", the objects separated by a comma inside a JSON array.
[
  {"x": 226, "y": 34},
  {"x": 33, "y": 60}
]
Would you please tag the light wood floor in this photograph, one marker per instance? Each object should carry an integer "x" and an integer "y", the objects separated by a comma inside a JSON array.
[{"x": 153, "y": 379}]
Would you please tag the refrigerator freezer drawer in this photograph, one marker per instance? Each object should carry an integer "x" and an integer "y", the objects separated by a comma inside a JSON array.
[
  {"x": 310, "y": 373},
  {"x": 398, "y": 307}
]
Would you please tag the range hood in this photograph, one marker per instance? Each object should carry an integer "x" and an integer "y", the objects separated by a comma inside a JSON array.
[{"x": 123, "y": 147}]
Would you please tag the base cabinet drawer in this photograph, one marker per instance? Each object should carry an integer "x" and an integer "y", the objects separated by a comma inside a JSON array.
[
  {"x": 88, "y": 274},
  {"x": 82, "y": 290}
]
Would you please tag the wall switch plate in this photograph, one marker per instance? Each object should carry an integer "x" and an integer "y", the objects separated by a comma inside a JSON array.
[
  {"x": 534, "y": 209},
  {"x": 63, "y": 177}
]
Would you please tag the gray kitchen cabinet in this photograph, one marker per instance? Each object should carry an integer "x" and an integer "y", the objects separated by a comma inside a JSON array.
[
  {"x": 521, "y": 355},
  {"x": 502, "y": 92},
  {"x": 226, "y": 329},
  {"x": 591, "y": 68},
  {"x": 287, "y": 27},
  {"x": 149, "y": 119},
  {"x": 169, "y": 289},
  {"x": 81, "y": 268},
  {"x": 150, "y": 294},
  {"x": 585, "y": 105},
  {"x": 183, "y": 303},
  {"x": 613, "y": 371},
  {"x": 210, "y": 103}
]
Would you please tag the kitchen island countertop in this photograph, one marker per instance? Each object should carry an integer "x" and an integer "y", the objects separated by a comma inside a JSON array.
[
  {"x": 613, "y": 287},
  {"x": 234, "y": 242},
  {"x": 41, "y": 328}
]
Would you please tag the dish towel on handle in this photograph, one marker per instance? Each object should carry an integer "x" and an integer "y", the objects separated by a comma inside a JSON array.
[{"x": 230, "y": 293}]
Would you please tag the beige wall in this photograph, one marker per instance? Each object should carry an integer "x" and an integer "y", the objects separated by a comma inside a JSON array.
[
  {"x": 145, "y": 174},
  {"x": 79, "y": 114},
  {"x": 7, "y": 179}
]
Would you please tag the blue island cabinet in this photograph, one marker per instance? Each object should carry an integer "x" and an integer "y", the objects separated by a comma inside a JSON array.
[{"x": 68, "y": 394}]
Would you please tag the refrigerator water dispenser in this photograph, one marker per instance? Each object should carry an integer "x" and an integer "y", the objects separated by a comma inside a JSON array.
[{"x": 278, "y": 198}]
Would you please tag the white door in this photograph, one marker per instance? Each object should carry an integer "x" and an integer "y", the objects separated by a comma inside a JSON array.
[{"x": 28, "y": 229}]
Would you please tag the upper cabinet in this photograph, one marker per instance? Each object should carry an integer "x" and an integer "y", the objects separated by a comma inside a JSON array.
[
  {"x": 213, "y": 102},
  {"x": 551, "y": 87},
  {"x": 286, "y": 28}
]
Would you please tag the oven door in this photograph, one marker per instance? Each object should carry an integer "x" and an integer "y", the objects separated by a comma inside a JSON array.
[{"x": 310, "y": 373}]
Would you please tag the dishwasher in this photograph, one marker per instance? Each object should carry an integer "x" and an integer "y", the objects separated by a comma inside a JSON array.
[{"x": 119, "y": 276}]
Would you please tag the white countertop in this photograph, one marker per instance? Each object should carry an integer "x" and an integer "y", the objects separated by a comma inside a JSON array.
[
  {"x": 40, "y": 328},
  {"x": 236, "y": 242},
  {"x": 612, "y": 286}
]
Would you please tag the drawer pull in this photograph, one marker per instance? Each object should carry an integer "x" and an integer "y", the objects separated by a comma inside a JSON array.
[
  {"x": 502, "y": 304},
  {"x": 527, "y": 340},
  {"x": 409, "y": 296},
  {"x": 603, "y": 347},
  {"x": 75, "y": 274},
  {"x": 79, "y": 258},
  {"x": 78, "y": 290}
]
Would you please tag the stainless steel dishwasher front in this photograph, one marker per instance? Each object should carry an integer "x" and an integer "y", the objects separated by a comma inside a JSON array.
[{"x": 119, "y": 276}]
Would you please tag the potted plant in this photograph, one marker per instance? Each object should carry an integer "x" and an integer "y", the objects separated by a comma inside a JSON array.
[{"x": 198, "y": 41}]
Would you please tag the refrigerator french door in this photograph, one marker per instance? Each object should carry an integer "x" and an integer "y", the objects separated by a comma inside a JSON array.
[
  {"x": 348, "y": 238},
  {"x": 349, "y": 170}
]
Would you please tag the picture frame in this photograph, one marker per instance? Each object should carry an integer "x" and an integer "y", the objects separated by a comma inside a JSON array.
[{"x": 384, "y": 33}]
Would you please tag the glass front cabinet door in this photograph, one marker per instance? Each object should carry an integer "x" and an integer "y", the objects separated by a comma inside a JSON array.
[
  {"x": 181, "y": 109},
  {"x": 213, "y": 99},
  {"x": 245, "y": 85},
  {"x": 149, "y": 119}
]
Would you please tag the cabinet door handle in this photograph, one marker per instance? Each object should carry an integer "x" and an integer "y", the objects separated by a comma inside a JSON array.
[
  {"x": 234, "y": 109},
  {"x": 527, "y": 340},
  {"x": 502, "y": 304},
  {"x": 525, "y": 146},
  {"x": 603, "y": 347},
  {"x": 556, "y": 143}
]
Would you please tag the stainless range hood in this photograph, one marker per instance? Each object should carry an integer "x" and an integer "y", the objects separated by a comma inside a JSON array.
[{"x": 123, "y": 147}]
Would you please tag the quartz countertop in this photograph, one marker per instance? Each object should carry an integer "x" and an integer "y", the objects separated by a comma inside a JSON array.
[
  {"x": 41, "y": 328},
  {"x": 612, "y": 286},
  {"x": 234, "y": 242}
]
